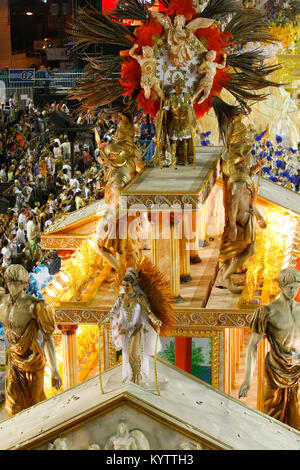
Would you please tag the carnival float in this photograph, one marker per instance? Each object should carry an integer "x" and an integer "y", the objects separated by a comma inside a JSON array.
[{"x": 181, "y": 251}]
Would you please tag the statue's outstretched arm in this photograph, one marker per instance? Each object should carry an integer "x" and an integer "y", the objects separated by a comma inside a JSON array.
[
  {"x": 132, "y": 53},
  {"x": 223, "y": 65},
  {"x": 251, "y": 357},
  {"x": 154, "y": 319},
  {"x": 259, "y": 217},
  {"x": 165, "y": 21},
  {"x": 199, "y": 23}
]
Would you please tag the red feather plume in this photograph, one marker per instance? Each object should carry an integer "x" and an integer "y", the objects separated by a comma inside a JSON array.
[
  {"x": 178, "y": 7},
  {"x": 214, "y": 39},
  {"x": 130, "y": 76},
  {"x": 148, "y": 33},
  {"x": 150, "y": 106}
]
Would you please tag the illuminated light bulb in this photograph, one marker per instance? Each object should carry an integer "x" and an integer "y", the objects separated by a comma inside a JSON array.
[
  {"x": 64, "y": 277},
  {"x": 56, "y": 284},
  {"x": 51, "y": 293},
  {"x": 92, "y": 243}
]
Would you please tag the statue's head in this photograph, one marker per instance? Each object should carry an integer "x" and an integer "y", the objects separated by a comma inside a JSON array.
[
  {"x": 16, "y": 278},
  {"x": 179, "y": 87},
  {"x": 211, "y": 56},
  {"x": 147, "y": 51},
  {"x": 179, "y": 20},
  {"x": 289, "y": 281},
  {"x": 122, "y": 429}
]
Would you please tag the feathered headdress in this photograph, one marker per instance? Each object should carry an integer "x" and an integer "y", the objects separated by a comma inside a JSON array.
[
  {"x": 156, "y": 287},
  {"x": 244, "y": 77}
]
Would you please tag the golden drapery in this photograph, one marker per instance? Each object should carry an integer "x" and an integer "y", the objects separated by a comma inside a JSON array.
[
  {"x": 281, "y": 378},
  {"x": 245, "y": 235},
  {"x": 26, "y": 362}
]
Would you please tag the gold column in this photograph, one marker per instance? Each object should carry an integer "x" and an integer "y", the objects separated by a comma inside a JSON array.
[
  {"x": 194, "y": 254},
  {"x": 154, "y": 241},
  {"x": 185, "y": 271},
  {"x": 238, "y": 348},
  {"x": 202, "y": 224},
  {"x": 70, "y": 363},
  {"x": 242, "y": 339},
  {"x": 227, "y": 384},
  {"x": 233, "y": 349},
  {"x": 260, "y": 373},
  {"x": 175, "y": 262}
]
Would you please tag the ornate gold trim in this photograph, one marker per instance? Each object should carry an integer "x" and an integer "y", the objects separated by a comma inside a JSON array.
[
  {"x": 187, "y": 318},
  {"x": 63, "y": 242}
]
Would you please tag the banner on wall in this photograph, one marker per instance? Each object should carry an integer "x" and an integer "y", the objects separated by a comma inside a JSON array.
[{"x": 108, "y": 5}]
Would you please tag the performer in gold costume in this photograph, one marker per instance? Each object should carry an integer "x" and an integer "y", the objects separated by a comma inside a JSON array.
[
  {"x": 280, "y": 321},
  {"x": 22, "y": 317},
  {"x": 180, "y": 122}
]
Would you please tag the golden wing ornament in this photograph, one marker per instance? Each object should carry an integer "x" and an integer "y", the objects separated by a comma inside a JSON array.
[{"x": 199, "y": 23}]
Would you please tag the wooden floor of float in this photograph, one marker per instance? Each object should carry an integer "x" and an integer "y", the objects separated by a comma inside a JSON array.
[
  {"x": 201, "y": 292},
  {"x": 194, "y": 293}
]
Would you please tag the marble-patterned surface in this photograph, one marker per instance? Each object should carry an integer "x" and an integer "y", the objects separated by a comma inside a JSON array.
[
  {"x": 98, "y": 431},
  {"x": 278, "y": 195},
  {"x": 184, "y": 180},
  {"x": 94, "y": 208},
  {"x": 189, "y": 404}
]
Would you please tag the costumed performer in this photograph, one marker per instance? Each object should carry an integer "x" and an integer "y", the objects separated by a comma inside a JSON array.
[{"x": 143, "y": 291}]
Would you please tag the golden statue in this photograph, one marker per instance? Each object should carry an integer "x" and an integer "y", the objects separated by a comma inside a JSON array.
[
  {"x": 121, "y": 158},
  {"x": 22, "y": 317},
  {"x": 209, "y": 68},
  {"x": 147, "y": 63},
  {"x": 124, "y": 137},
  {"x": 280, "y": 321},
  {"x": 240, "y": 211},
  {"x": 180, "y": 35}
]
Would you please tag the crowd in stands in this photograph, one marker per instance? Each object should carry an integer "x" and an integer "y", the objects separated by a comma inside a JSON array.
[{"x": 35, "y": 165}]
